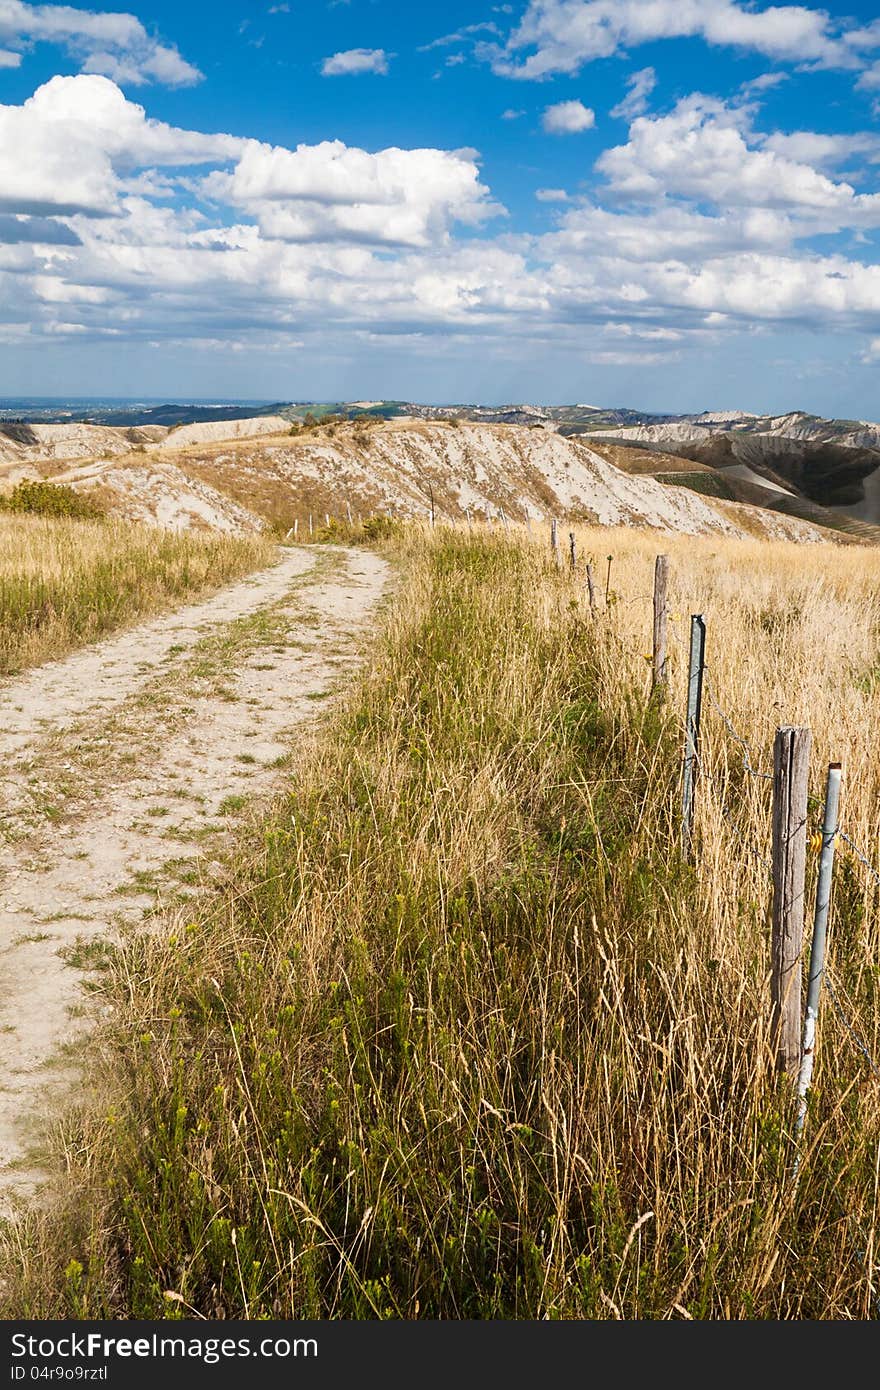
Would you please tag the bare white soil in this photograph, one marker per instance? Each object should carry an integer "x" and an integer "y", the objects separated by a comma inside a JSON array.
[{"x": 124, "y": 769}]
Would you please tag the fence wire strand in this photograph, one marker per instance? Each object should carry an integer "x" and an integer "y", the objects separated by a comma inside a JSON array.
[
  {"x": 857, "y": 854},
  {"x": 748, "y": 750}
]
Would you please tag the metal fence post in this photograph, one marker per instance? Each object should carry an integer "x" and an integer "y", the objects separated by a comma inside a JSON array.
[
  {"x": 791, "y": 764},
  {"x": 820, "y": 928},
  {"x": 696, "y": 667}
]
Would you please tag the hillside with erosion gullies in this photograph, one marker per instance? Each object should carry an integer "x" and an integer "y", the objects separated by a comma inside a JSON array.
[
  {"x": 248, "y": 474},
  {"x": 797, "y": 461}
]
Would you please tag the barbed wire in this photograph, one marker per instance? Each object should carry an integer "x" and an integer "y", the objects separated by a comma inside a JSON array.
[
  {"x": 748, "y": 750},
  {"x": 858, "y": 854},
  {"x": 728, "y": 817}
]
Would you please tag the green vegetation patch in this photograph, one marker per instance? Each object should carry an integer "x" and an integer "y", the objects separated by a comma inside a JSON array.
[
  {"x": 50, "y": 499},
  {"x": 709, "y": 484}
]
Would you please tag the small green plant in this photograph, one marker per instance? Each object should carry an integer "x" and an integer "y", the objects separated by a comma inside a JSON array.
[{"x": 51, "y": 499}]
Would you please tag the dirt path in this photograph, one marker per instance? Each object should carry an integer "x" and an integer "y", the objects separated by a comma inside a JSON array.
[{"x": 123, "y": 770}]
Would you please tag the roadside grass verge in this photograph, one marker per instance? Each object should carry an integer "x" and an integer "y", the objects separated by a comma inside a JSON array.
[
  {"x": 66, "y": 581},
  {"x": 465, "y": 1037}
]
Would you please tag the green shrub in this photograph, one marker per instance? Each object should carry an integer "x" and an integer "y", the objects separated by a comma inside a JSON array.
[{"x": 51, "y": 499}]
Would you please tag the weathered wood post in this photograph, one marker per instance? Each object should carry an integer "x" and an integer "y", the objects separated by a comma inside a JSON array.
[
  {"x": 608, "y": 580},
  {"x": 554, "y": 543},
  {"x": 696, "y": 667},
  {"x": 295, "y": 527},
  {"x": 820, "y": 929},
  {"x": 327, "y": 520},
  {"x": 591, "y": 588},
  {"x": 791, "y": 767},
  {"x": 310, "y": 523},
  {"x": 348, "y": 512},
  {"x": 661, "y": 617},
  {"x": 572, "y": 551}
]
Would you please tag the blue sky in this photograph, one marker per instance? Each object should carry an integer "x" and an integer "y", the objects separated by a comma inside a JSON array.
[{"x": 669, "y": 204}]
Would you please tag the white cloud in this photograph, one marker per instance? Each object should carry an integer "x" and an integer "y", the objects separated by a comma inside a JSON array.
[
  {"x": 63, "y": 149},
  {"x": 566, "y": 34},
  {"x": 668, "y": 232},
  {"x": 706, "y": 151},
  {"x": 640, "y": 85},
  {"x": 115, "y": 45},
  {"x": 511, "y": 115},
  {"x": 551, "y": 195},
  {"x": 461, "y": 35},
  {"x": 764, "y": 82},
  {"x": 355, "y": 61},
  {"x": 8, "y": 59},
  {"x": 331, "y": 191},
  {"x": 824, "y": 151},
  {"x": 568, "y": 118}
]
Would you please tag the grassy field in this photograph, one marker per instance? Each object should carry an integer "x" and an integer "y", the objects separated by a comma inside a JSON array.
[
  {"x": 65, "y": 581},
  {"x": 465, "y": 1037}
]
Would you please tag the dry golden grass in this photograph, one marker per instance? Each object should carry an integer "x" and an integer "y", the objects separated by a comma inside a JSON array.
[
  {"x": 466, "y": 1037},
  {"x": 64, "y": 582}
]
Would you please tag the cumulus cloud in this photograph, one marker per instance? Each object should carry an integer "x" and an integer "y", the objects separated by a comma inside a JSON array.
[
  {"x": 706, "y": 151},
  {"x": 568, "y": 118},
  {"x": 566, "y": 34},
  {"x": 331, "y": 191},
  {"x": 640, "y": 85},
  {"x": 551, "y": 195},
  {"x": 8, "y": 59},
  {"x": 115, "y": 45},
  {"x": 62, "y": 150},
  {"x": 354, "y": 61},
  {"x": 824, "y": 151}
]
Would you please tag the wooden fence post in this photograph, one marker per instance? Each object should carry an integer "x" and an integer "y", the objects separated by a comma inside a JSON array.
[
  {"x": 310, "y": 523},
  {"x": 554, "y": 543},
  {"x": 348, "y": 512},
  {"x": 791, "y": 767},
  {"x": 572, "y": 551},
  {"x": 661, "y": 615},
  {"x": 591, "y": 588},
  {"x": 608, "y": 581}
]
